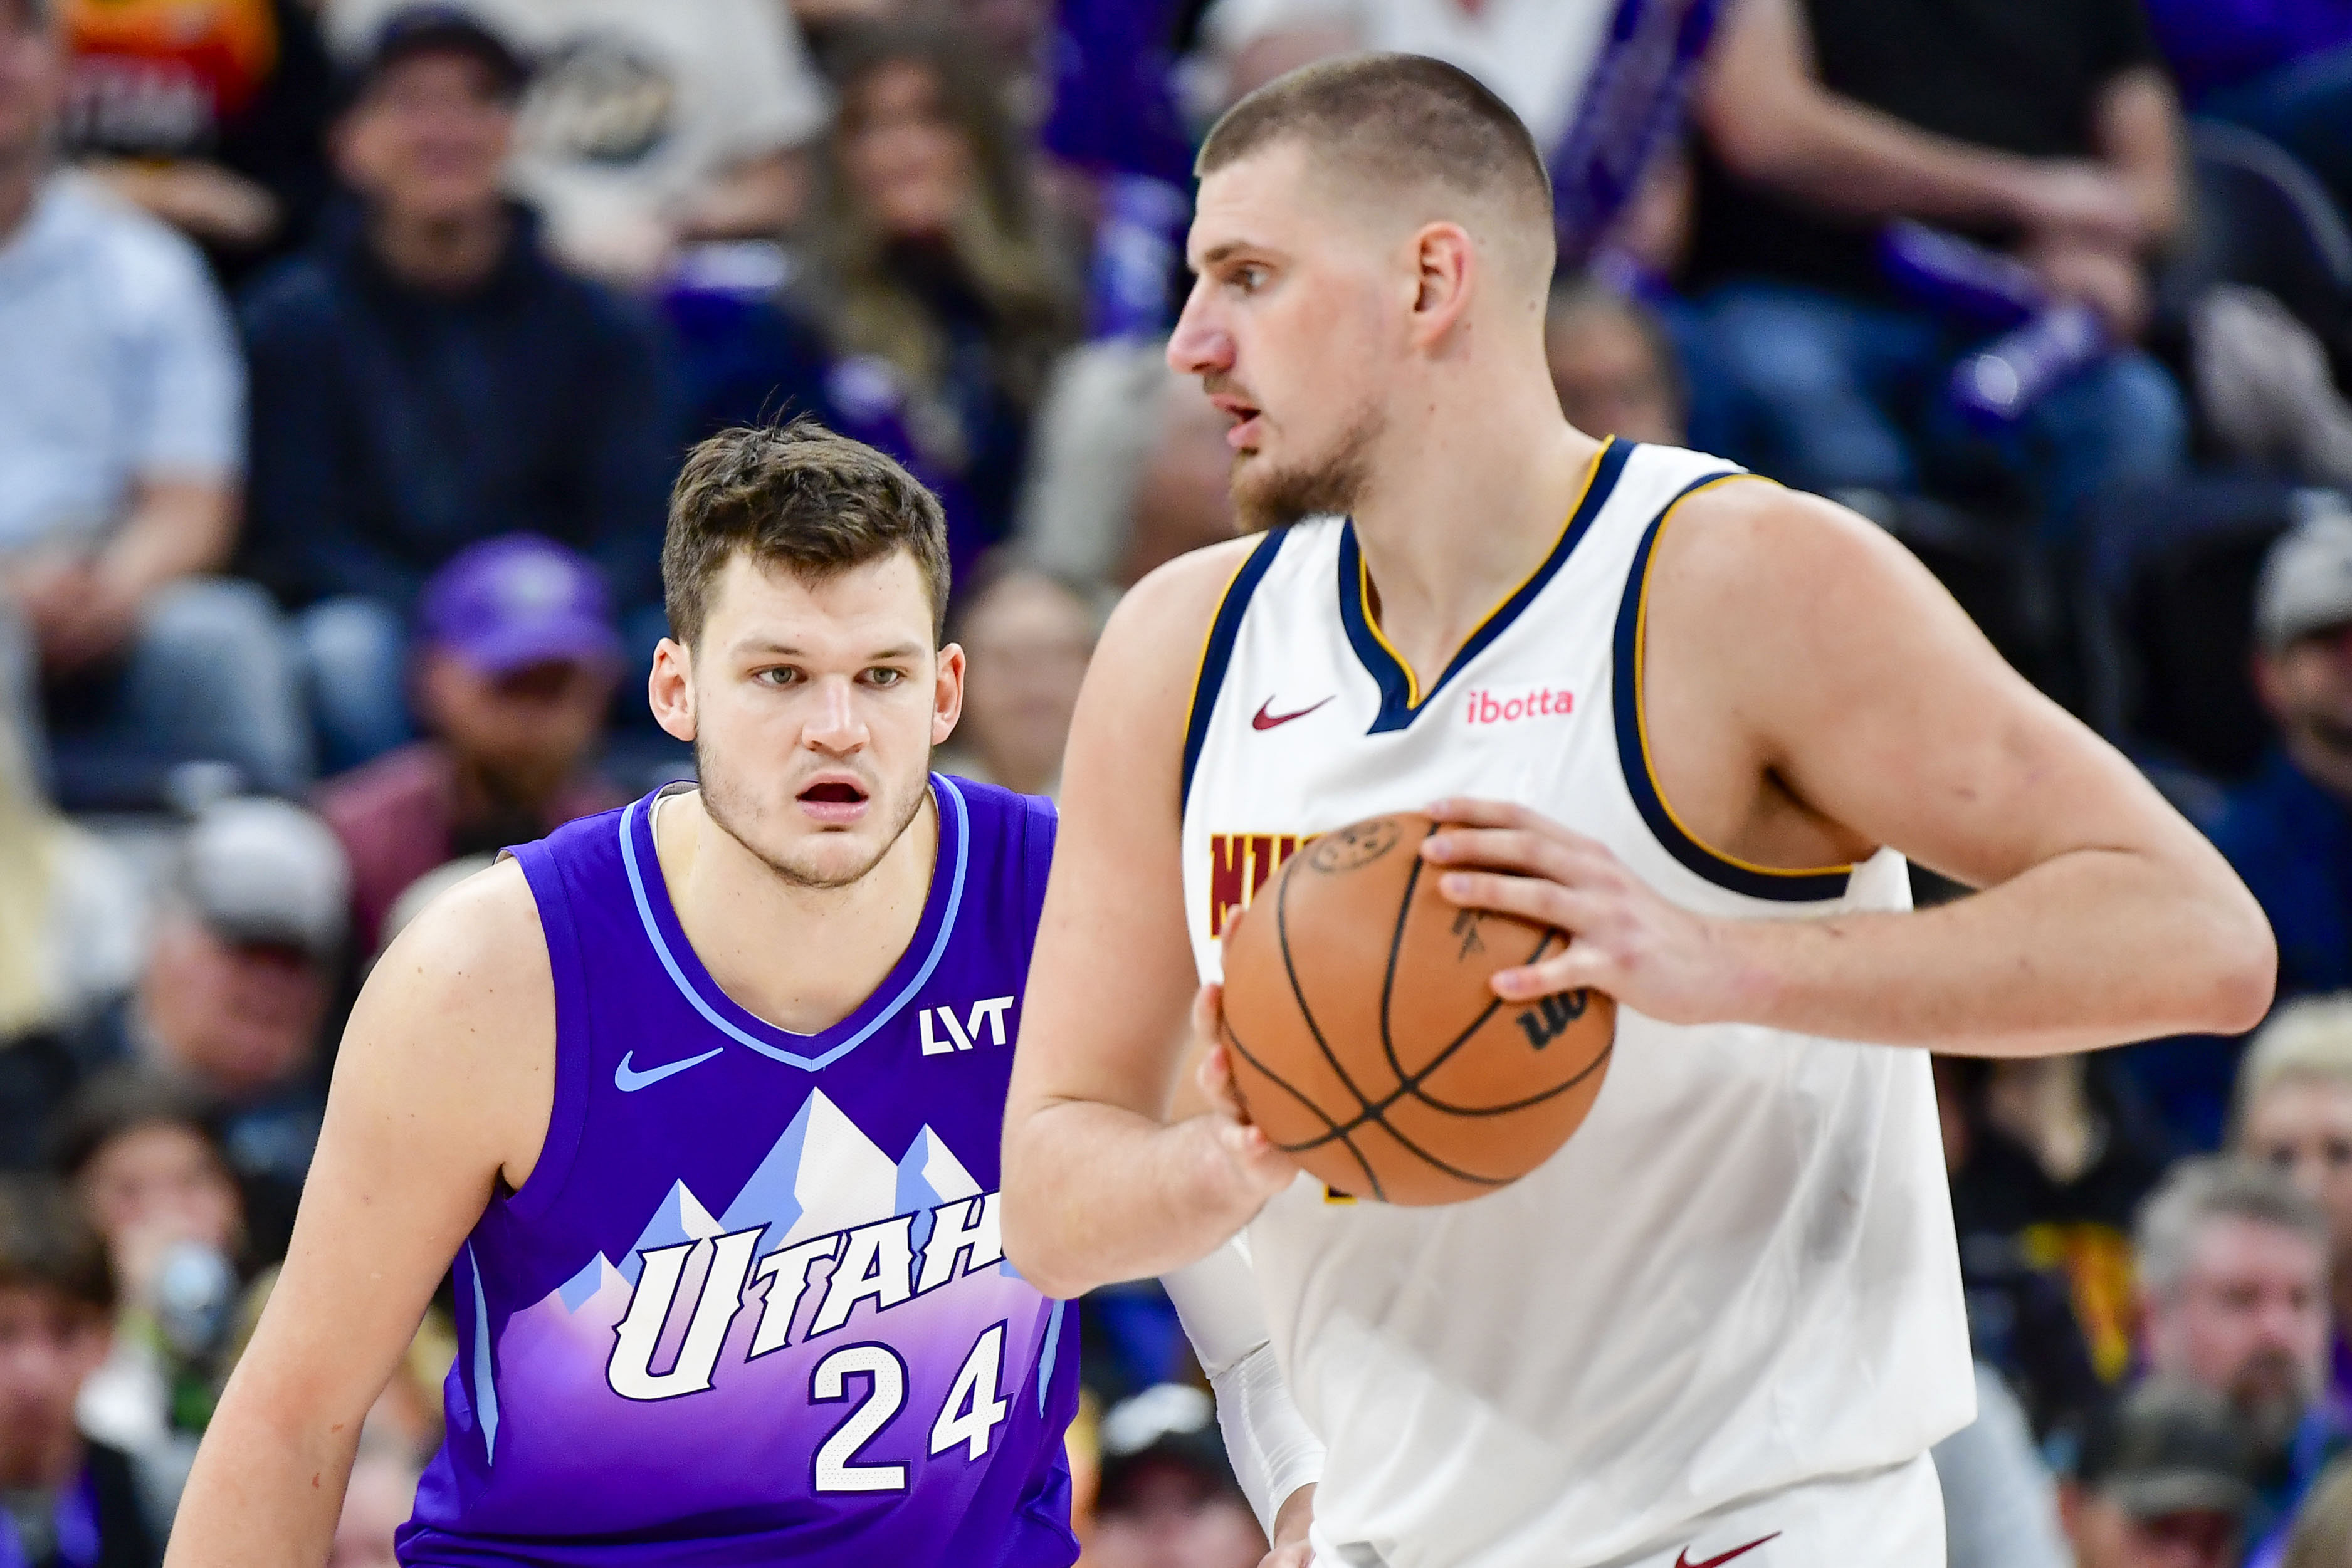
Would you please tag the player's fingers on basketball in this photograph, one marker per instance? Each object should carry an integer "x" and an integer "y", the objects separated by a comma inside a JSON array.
[
  {"x": 1540, "y": 899},
  {"x": 1209, "y": 1011},
  {"x": 1582, "y": 967},
  {"x": 1558, "y": 854},
  {"x": 1216, "y": 1078}
]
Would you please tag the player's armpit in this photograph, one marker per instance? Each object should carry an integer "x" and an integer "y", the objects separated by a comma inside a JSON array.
[
  {"x": 443, "y": 1082},
  {"x": 1097, "y": 1186},
  {"x": 1808, "y": 683}
]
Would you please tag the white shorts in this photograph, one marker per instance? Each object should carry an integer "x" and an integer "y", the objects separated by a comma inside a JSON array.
[{"x": 1886, "y": 1519}]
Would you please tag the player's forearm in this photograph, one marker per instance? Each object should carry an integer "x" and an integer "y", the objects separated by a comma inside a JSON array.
[
  {"x": 266, "y": 1490},
  {"x": 2089, "y": 949},
  {"x": 1095, "y": 1194}
]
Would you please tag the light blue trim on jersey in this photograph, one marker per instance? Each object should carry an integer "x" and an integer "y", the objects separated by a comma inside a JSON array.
[
  {"x": 486, "y": 1387},
  {"x": 1045, "y": 1356},
  {"x": 711, "y": 1014}
]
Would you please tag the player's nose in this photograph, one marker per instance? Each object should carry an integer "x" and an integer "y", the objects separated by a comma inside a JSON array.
[
  {"x": 833, "y": 723},
  {"x": 1199, "y": 346}
]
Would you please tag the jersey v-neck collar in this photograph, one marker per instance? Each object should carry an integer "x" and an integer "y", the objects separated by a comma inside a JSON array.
[
  {"x": 810, "y": 1052},
  {"x": 1400, "y": 693}
]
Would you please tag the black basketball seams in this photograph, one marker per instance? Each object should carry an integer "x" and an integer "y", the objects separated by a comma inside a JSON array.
[{"x": 1234, "y": 1039}]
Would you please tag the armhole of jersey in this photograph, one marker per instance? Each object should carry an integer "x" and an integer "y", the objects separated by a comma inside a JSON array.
[
  {"x": 572, "y": 1023},
  {"x": 1217, "y": 653},
  {"x": 1809, "y": 887},
  {"x": 1039, "y": 823}
]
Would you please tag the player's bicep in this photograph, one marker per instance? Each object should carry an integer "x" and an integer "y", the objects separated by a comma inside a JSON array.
[
  {"x": 1113, "y": 979},
  {"x": 445, "y": 1065},
  {"x": 1877, "y": 703}
]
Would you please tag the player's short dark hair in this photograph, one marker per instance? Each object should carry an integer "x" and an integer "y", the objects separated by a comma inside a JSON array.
[
  {"x": 1395, "y": 118},
  {"x": 799, "y": 496},
  {"x": 47, "y": 1244}
]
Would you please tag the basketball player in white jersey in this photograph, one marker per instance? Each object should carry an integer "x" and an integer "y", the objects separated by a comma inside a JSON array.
[{"x": 1691, "y": 718}]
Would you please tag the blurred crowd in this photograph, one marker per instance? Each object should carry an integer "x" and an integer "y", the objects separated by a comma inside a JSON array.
[{"x": 348, "y": 349}]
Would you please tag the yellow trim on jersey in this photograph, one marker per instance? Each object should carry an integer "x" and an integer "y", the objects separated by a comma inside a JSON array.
[
  {"x": 1372, "y": 622},
  {"x": 1641, "y": 712},
  {"x": 1207, "y": 635}
]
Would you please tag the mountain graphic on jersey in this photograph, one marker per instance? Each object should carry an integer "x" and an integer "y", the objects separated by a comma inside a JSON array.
[{"x": 845, "y": 1316}]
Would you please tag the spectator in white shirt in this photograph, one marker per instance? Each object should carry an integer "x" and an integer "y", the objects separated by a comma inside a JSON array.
[
  {"x": 121, "y": 435},
  {"x": 1534, "y": 55},
  {"x": 649, "y": 123}
]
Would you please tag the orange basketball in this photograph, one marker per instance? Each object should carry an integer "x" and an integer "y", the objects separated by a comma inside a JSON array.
[{"x": 1367, "y": 1043}]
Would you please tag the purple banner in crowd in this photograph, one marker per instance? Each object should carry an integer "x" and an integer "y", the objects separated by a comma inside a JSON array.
[{"x": 1633, "y": 102}]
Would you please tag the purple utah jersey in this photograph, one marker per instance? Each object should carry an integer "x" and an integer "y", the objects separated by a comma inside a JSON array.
[{"x": 751, "y": 1306}]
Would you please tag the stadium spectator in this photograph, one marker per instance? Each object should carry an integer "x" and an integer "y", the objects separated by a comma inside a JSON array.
[
  {"x": 650, "y": 124},
  {"x": 1534, "y": 55},
  {"x": 1168, "y": 1498},
  {"x": 517, "y": 655},
  {"x": 119, "y": 433},
  {"x": 144, "y": 1155},
  {"x": 2289, "y": 832},
  {"x": 2294, "y": 1112},
  {"x": 1026, "y": 639},
  {"x": 1613, "y": 366},
  {"x": 426, "y": 377},
  {"x": 2234, "y": 1299},
  {"x": 70, "y": 1501},
  {"x": 243, "y": 968},
  {"x": 2043, "y": 1195},
  {"x": 1130, "y": 470},
  {"x": 2051, "y": 132},
  {"x": 2162, "y": 1483},
  {"x": 210, "y": 114},
  {"x": 932, "y": 284},
  {"x": 69, "y": 918},
  {"x": 2282, "y": 67}
]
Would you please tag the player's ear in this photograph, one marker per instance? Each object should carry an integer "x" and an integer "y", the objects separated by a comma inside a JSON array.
[
  {"x": 669, "y": 688},
  {"x": 947, "y": 694},
  {"x": 1446, "y": 265}
]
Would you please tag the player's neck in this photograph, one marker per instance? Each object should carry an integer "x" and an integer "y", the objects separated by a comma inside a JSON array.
[
  {"x": 738, "y": 914},
  {"x": 1458, "y": 514}
]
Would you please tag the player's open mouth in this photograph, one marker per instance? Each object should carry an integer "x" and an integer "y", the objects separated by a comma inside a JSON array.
[
  {"x": 1242, "y": 435},
  {"x": 835, "y": 800}
]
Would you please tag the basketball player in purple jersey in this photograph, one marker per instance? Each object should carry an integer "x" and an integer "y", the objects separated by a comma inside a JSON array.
[{"x": 701, "y": 1098}]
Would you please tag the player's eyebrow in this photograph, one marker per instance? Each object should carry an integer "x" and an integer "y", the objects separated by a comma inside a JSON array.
[
  {"x": 1225, "y": 250},
  {"x": 767, "y": 648}
]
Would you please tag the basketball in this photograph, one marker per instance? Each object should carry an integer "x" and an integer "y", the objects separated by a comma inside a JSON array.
[{"x": 1366, "y": 1043}]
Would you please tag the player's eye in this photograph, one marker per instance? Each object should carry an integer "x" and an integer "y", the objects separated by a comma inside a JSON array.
[
  {"x": 883, "y": 676},
  {"x": 778, "y": 676}
]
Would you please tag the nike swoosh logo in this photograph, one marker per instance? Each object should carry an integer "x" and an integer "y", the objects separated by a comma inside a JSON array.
[
  {"x": 628, "y": 1081},
  {"x": 1266, "y": 718},
  {"x": 1684, "y": 1561}
]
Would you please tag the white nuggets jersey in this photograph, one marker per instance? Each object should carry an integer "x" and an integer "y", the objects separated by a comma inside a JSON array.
[{"x": 1739, "y": 1274}]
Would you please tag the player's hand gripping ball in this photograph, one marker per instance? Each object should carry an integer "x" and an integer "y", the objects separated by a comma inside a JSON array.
[{"x": 1366, "y": 1043}]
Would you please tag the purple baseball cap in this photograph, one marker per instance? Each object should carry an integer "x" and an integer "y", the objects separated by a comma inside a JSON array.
[{"x": 507, "y": 603}]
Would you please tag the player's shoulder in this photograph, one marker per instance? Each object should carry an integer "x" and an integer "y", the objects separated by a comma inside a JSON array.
[
  {"x": 1739, "y": 538},
  {"x": 993, "y": 812},
  {"x": 477, "y": 956}
]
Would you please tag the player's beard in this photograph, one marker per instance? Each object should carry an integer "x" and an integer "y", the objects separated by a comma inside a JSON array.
[
  {"x": 728, "y": 809},
  {"x": 1269, "y": 497}
]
